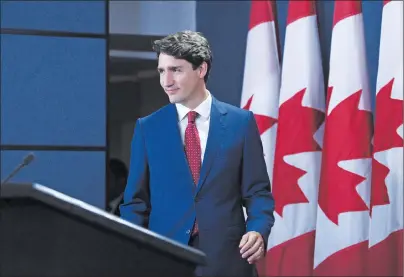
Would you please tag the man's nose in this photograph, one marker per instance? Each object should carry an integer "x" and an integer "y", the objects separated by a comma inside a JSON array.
[{"x": 168, "y": 80}]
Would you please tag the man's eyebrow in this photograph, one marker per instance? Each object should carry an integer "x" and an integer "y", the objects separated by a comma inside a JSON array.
[
  {"x": 170, "y": 67},
  {"x": 175, "y": 67}
]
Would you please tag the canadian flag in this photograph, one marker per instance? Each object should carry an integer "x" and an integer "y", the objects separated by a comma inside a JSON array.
[
  {"x": 342, "y": 231},
  {"x": 298, "y": 149},
  {"x": 386, "y": 225},
  {"x": 260, "y": 92}
]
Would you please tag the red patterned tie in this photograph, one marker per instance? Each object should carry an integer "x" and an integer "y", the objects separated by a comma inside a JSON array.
[{"x": 193, "y": 151}]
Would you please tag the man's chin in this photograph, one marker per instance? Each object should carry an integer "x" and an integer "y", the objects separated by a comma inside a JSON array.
[{"x": 174, "y": 100}]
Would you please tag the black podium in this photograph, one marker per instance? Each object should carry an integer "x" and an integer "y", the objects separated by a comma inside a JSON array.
[{"x": 46, "y": 233}]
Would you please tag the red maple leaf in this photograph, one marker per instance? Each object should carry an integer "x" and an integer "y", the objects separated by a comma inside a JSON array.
[
  {"x": 347, "y": 136},
  {"x": 264, "y": 122},
  {"x": 389, "y": 116},
  {"x": 296, "y": 128}
]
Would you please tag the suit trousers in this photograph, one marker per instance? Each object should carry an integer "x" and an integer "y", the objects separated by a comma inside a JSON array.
[{"x": 194, "y": 242}]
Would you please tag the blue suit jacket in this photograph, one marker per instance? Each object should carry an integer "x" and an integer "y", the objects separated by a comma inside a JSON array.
[{"x": 161, "y": 196}]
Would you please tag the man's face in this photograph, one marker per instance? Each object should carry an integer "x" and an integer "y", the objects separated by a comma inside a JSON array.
[{"x": 178, "y": 79}]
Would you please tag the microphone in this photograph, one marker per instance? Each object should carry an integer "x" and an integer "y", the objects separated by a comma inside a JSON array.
[{"x": 27, "y": 160}]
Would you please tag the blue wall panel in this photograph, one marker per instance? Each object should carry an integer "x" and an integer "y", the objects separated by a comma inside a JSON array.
[
  {"x": 73, "y": 16},
  {"x": 53, "y": 90},
  {"x": 78, "y": 174}
]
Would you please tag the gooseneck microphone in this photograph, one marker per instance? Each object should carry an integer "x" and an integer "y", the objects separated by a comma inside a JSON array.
[{"x": 27, "y": 160}]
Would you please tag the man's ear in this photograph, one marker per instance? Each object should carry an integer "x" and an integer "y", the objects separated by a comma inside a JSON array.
[{"x": 203, "y": 69}]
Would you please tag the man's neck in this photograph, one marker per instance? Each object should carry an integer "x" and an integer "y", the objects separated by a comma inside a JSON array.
[{"x": 200, "y": 97}]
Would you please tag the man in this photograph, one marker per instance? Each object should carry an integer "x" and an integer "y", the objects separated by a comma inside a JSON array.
[{"x": 196, "y": 162}]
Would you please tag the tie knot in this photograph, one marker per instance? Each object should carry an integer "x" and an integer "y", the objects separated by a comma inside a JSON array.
[{"x": 192, "y": 116}]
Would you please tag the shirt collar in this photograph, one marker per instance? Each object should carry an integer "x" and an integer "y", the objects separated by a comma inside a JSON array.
[{"x": 203, "y": 109}]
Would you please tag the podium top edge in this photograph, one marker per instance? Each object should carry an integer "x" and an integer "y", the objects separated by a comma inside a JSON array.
[{"x": 78, "y": 208}]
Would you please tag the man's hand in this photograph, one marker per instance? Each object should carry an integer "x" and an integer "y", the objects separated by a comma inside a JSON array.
[{"x": 252, "y": 247}]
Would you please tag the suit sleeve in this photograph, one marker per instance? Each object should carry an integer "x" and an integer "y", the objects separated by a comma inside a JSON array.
[
  {"x": 136, "y": 205},
  {"x": 256, "y": 187}
]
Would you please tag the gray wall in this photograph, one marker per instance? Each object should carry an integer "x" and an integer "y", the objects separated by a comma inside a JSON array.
[{"x": 151, "y": 17}]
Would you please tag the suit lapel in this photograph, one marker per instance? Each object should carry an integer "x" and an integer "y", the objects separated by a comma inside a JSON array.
[{"x": 215, "y": 139}]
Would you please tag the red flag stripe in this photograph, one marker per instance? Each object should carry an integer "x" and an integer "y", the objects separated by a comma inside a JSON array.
[
  {"x": 299, "y": 9},
  {"x": 345, "y": 9},
  {"x": 261, "y": 12}
]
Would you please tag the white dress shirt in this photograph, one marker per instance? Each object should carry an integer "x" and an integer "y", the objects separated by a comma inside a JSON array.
[{"x": 202, "y": 121}]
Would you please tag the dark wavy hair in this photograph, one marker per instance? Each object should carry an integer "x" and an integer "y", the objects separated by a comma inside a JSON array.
[{"x": 188, "y": 45}]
